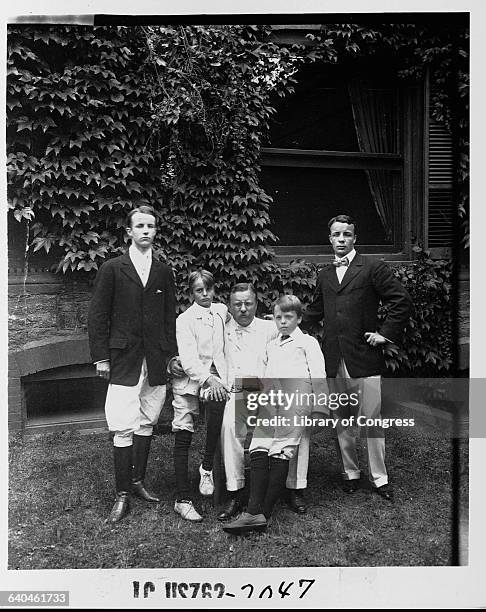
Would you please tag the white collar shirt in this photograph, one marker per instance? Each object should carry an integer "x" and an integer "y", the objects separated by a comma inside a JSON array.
[
  {"x": 247, "y": 345},
  {"x": 296, "y": 335},
  {"x": 142, "y": 262},
  {"x": 341, "y": 270},
  {"x": 206, "y": 314}
]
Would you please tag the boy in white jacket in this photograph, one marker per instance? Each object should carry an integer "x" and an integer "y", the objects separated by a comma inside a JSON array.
[
  {"x": 200, "y": 333},
  {"x": 294, "y": 365}
]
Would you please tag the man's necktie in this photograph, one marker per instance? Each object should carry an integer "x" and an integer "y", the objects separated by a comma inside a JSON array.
[
  {"x": 341, "y": 262},
  {"x": 284, "y": 337}
]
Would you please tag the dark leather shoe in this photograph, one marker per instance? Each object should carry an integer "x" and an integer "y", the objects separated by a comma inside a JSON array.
[
  {"x": 351, "y": 486},
  {"x": 296, "y": 501},
  {"x": 138, "y": 489},
  {"x": 246, "y": 522},
  {"x": 384, "y": 491},
  {"x": 120, "y": 508},
  {"x": 229, "y": 509}
]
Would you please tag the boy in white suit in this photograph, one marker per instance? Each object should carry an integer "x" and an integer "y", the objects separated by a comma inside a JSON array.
[
  {"x": 200, "y": 332},
  {"x": 247, "y": 337},
  {"x": 296, "y": 362}
]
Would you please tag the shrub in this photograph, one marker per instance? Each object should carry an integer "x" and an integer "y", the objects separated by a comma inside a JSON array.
[{"x": 428, "y": 347}]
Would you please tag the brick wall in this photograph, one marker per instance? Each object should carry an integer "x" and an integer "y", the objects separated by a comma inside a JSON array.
[{"x": 46, "y": 309}]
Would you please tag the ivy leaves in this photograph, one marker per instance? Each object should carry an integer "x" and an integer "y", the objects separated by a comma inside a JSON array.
[
  {"x": 213, "y": 88},
  {"x": 77, "y": 138}
]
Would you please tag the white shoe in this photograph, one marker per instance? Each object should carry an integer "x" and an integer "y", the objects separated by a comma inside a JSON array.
[
  {"x": 187, "y": 511},
  {"x": 206, "y": 484}
]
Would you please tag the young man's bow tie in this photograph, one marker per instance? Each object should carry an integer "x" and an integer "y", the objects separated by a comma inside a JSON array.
[{"x": 341, "y": 262}]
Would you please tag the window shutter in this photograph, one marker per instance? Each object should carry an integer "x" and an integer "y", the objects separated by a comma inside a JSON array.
[{"x": 440, "y": 201}]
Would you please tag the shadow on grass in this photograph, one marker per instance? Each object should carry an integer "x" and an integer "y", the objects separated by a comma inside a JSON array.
[{"x": 61, "y": 490}]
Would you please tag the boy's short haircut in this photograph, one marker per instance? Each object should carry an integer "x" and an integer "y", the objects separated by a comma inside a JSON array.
[
  {"x": 206, "y": 277},
  {"x": 243, "y": 287},
  {"x": 289, "y": 303},
  {"x": 144, "y": 209}
]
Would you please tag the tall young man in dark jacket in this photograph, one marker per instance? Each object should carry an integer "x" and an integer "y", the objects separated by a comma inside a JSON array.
[
  {"x": 348, "y": 294},
  {"x": 131, "y": 327}
]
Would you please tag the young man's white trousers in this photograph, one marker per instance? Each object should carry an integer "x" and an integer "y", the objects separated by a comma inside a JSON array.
[
  {"x": 133, "y": 410},
  {"x": 369, "y": 390}
]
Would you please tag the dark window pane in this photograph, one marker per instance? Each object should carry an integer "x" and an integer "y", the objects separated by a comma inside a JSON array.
[
  {"x": 317, "y": 116},
  {"x": 76, "y": 397},
  {"x": 334, "y": 110},
  {"x": 304, "y": 199}
]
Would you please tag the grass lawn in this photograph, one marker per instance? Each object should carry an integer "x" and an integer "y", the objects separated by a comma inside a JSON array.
[{"x": 61, "y": 491}]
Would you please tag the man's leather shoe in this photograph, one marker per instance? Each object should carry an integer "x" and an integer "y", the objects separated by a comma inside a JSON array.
[
  {"x": 138, "y": 489},
  {"x": 351, "y": 486},
  {"x": 120, "y": 508},
  {"x": 246, "y": 522},
  {"x": 385, "y": 491},
  {"x": 296, "y": 501},
  {"x": 229, "y": 509}
]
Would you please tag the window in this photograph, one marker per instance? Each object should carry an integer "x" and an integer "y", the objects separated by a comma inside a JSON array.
[{"x": 341, "y": 144}]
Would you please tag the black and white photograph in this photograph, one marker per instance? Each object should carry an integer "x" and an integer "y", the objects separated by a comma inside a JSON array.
[{"x": 238, "y": 266}]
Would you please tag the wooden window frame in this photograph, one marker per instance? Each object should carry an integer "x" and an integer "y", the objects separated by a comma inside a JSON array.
[{"x": 412, "y": 213}]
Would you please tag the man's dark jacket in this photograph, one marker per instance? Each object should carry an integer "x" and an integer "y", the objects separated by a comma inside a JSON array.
[
  {"x": 127, "y": 321},
  {"x": 350, "y": 309}
]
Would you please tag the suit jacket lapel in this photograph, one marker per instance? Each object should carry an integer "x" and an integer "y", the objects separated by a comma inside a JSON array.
[
  {"x": 129, "y": 269},
  {"x": 153, "y": 272},
  {"x": 353, "y": 270},
  {"x": 331, "y": 277}
]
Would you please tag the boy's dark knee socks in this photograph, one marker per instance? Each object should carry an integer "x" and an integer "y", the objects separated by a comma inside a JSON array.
[
  {"x": 214, "y": 419},
  {"x": 182, "y": 444},
  {"x": 258, "y": 481},
  {"x": 279, "y": 469}
]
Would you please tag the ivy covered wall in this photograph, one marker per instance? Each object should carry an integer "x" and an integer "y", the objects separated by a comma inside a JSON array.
[
  {"x": 77, "y": 133},
  {"x": 103, "y": 119}
]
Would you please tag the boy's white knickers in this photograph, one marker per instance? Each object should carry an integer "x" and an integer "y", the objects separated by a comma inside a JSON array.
[{"x": 133, "y": 410}]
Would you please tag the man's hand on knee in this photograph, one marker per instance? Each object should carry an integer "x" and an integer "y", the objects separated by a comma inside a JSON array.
[{"x": 216, "y": 390}]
